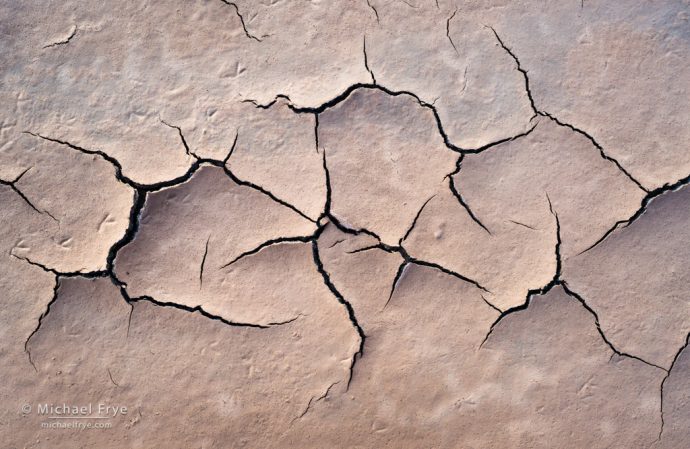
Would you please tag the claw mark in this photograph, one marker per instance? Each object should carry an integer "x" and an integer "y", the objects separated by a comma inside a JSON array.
[{"x": 72, "y": 33}]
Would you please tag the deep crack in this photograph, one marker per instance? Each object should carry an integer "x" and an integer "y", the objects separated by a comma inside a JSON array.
[{"x": 350, "y": 310}]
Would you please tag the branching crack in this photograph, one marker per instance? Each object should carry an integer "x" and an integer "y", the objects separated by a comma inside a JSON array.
[
  {"x": 573, "y": 128},
  {"x": 540, "y": 291},
  {"x": 412, "y": 260},
  {"x": 13, "y": 185}
]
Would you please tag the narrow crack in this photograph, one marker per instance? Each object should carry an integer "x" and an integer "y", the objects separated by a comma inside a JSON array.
[
  {"x": 366, "y": 60},
  {"x": 412, "y": 260},
  {"x": 66, "y": 274},
  {"x": 414, "y": 221},
  {"x": 203, "y": 262},
  {"x": 523, "y": 225},
  {"x": 501, "y": 141},
  {"x": 244, "y": 26},
  {"x": 663, "y": 383},
  {"x": 72, "y": 33},
  {"x": 376, "y": 13},
  {"x": 398, "y": 277},
  {"x": 267, "y": 243},
  {"x": 490, "y": 304},
  {"x": 206, "y": 314},
  {"x": 666, "y": 188},
  {"x": 40, "y": 321},
  {"x": 448, "y": 32},
  {"x": 578, "y": 297},
  {"x": 596, "y": 144},
  {"x": 461, "y": 200},
  {"x": 257, "y": 187},
  {"x": 110, "y": 375},
  {"x": 184, "y": 141},
  {"x": 198, "y": 162},
  {"x": 519, "y": 67},
  {"x": 559, "y": 241},
  {"x": 350, "y": 310},
  {"x": 314, "y": 400}
]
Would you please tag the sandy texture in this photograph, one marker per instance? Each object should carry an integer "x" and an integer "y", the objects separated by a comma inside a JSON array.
[{"x": 361, "y": 224}]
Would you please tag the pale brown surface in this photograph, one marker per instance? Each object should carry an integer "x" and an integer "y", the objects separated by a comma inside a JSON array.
[{"x": 359, "y": 224}]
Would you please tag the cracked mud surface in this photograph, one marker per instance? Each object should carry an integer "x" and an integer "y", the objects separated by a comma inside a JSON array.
[{"x": 362, "y": 224}]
